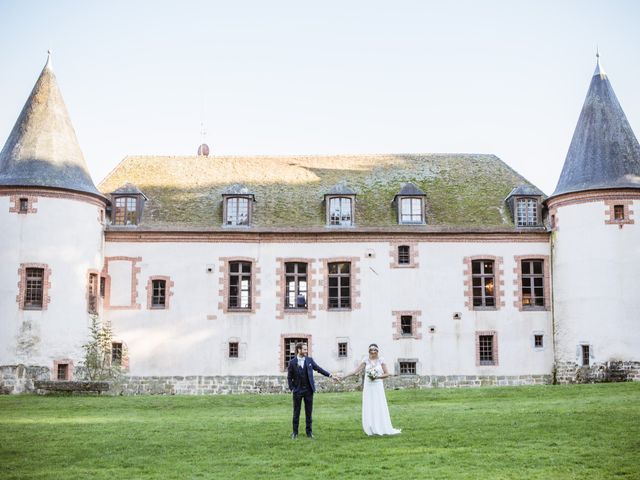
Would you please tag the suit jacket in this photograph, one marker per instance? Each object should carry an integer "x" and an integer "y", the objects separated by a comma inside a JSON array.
[{"x": 309, "y": 366}]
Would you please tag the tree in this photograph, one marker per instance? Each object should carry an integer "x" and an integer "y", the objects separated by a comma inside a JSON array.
[{"x": 97, "y": 352}]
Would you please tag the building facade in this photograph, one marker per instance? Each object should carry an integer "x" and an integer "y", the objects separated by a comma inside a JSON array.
[{"x": 209, "y": 269}]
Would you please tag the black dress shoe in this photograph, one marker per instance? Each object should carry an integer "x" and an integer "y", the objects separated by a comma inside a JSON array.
[
  {"x": 294, "y": 436},
  {"x": 310, "y": 435}
]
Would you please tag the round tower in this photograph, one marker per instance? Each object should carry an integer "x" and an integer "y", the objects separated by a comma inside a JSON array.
[
  {"x": 595, "y": 217},
  {"x": 52, "y": 218}
]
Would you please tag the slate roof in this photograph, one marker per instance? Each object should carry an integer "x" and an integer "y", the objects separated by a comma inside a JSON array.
[
  {"x": 42, "y": 149},
  {"x": 463, "y": 191},
  {"x": 604, "y": 152},
  {"x": 410, "y": 190},
  {"x": 128, "y": 189},
  {"x": 526, "y": 190}
]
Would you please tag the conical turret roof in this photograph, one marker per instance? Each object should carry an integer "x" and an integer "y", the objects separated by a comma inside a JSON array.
[
  {"x": 604, "y": 153},
  {"x": 42, "y": 149}
]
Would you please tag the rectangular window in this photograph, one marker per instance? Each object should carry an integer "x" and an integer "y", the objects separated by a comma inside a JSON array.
[
  {"x": 24, "y": 205},
  {"x": 537, "y": 341},
  {"x": 159, "y": 293},
  {"x": 234, "y": 349},
  {"x": 103, "y": 283},
  {"x": 290, "y": 348},
  {"x": 485, "y": 346},
  {"x": 240, "y": 285},
  {"x": 404, "y": 255},
  {"x": 340, "y": 211},
  {"x": 116, "y": 353},
  {"x": 92, "y": 294},
  {"x": 63, "y": 371},
  {"x": 411, "y": 210},
  {"x": 618, "y": 212},
  {"x": 342, "y": 349},
  {"x": 532, "y": 283},
  {"x": 296, "y": 285},
  {"x": 237, "y": 211},
  {"x": 34, "y": 287},
  {"x": 585, "y": 355},
  {"x": 339, "y": 285},
  {"x": 406, "y": 325},
  {"x": 527, "y": 212},
  {"x": 407, "y": 368},
  {"x": 126, "y": 211},
  {"x": 483, "y": 283}
]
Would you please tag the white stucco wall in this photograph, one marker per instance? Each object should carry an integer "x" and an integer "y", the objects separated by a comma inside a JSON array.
[
  {"x": 181, "y": 341},
  {"x": 66, "y": 235},
  {"x": 596, "y": 274}
]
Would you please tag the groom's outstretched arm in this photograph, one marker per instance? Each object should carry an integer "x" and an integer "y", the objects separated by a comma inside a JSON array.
[{"x": 319, "y": 369}]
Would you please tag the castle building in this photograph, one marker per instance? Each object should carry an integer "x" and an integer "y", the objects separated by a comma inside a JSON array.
[{"x": 210, "y": 268}]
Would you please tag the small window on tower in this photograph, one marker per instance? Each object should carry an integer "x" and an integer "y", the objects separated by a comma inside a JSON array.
[
  {"x": 618, "y": 212},
  {"x": 24, "y": 205}
]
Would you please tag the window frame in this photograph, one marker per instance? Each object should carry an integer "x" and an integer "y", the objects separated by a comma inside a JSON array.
[
  {"x": 158, "y": 294},
  {"x": 340, "y": 276},
  {"x": 494, "y": 362},
  {"x": 410, "y": 364},
  {"x": 343, "y": 349},
  {"x": 532, "y": 277},
  {"x": 296, "y": 275},
  {"x": 29, "y": 287},
  {"x": 400, "y": 202},
  {"x": 340, "y": 224},
  {"x": 536, "y": 211},
  {"x": 483, "y": 277},
  {"x": 233, "y": 349},
  {"x": 135, "y": 212},
  {"x": 93, "y": 292},
  {"x": 286, "y": 339},
  {"x": 249, "y": 290},
  {"x": 228, "y": 199},
  {"x": 117, "y": 353},
  {"x": 402, "y": 256}
]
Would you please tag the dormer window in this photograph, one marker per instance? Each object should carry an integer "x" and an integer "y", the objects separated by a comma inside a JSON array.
[
  {"x": 126, "y": 211},
  {"x": 340, "y": 211},
  {"x": 410, "y": 204},
  {"x": 527, "y": 212},
  {"x": 128, "y": 203},
  {"x": 339, "y": 205},
  {"x": 411, "y": 210},
  {"x": 525, "y": 204},
  {"x": 237, "y": 206},
  {"x": 237, "y": 211}
]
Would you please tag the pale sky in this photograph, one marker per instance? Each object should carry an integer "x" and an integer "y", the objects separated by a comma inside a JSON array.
[{"x": 301, "y": 77}]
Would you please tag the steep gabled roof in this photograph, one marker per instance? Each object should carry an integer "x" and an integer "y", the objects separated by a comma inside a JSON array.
[
  {"x": 604, "y": 152},
  {"x": 42, "y": 149},
  {"x": 463, "y": 191}
]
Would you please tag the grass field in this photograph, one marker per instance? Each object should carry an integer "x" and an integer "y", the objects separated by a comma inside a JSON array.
[{"x": 546, "y": 432}]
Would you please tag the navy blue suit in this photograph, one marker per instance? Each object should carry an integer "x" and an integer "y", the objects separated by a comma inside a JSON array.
[{"x": 302, "y": 385}]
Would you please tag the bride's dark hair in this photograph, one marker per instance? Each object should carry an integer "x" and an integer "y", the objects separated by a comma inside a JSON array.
[{"x": 374, "y": 345}]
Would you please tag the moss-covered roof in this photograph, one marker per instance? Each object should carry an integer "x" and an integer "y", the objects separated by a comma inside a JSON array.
[{"x": 462, "y": 190}]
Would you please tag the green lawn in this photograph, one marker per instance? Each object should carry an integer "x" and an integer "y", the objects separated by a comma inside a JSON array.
[{"x": 579, "y": 431}]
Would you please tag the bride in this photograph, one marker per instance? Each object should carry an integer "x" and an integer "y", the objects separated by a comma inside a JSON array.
[{"x": 375, "y": 413}]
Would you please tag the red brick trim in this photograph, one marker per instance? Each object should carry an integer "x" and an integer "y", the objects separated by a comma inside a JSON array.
[
  {"x": 312, "y": 287},
  {"x": 22, "y": 285},
  {"x": 413, "y": 254},
  {"x": 333, "y": 235},
  {"x": 224, "y": 284},
  {"x": 292, "y": 335},
  {"x": 495, "y": 348},
  {"x": 610, "y": 212},
  {"x": 498, "y": 276},
  {"x": 135, "y": 270},
  {"x": 415, "y": 324},
  {"x": 15, "y": 207},
  {"x": 38, "y": 192},
  {"x": 592, "y": 196},
  {"x": 355, "y": 283},
  {"x": 168, "y": 291},
  {"x": 517, "y": 281},
  {"x": 54, "y": 372}
]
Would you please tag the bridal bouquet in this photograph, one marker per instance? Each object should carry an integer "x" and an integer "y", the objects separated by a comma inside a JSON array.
[{"x": 373, "y": 373}]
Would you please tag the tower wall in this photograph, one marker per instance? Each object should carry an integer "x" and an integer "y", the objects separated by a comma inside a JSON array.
[
  {"x": 596, "y": 286},
  {"x": 62, "y": 233}
]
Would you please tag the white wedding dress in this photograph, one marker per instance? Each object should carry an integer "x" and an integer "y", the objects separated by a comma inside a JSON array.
[{"x": 375, "y": 412}]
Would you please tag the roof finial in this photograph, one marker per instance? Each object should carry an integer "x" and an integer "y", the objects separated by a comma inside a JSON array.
[
  {"x": 48, "y": 64},
  {"x": 599, "y": 70}
]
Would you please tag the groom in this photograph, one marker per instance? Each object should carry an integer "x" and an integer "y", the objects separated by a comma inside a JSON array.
[{"x": 300, "y": 377}]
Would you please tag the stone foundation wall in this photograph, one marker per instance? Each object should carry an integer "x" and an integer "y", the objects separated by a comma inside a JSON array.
[
  {"x": 21, "y": 379},
  {"x": 616, "y": 371}
]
